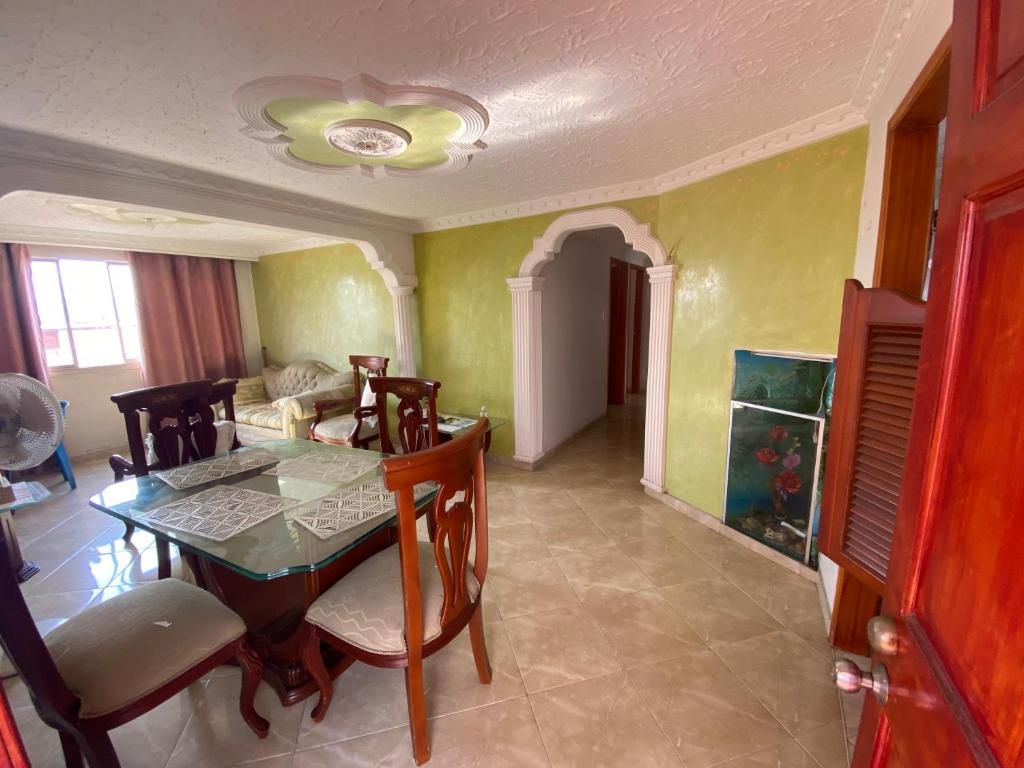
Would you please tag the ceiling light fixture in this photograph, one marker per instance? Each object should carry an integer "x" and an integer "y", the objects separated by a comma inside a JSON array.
[{"x": 368, "y": 138}]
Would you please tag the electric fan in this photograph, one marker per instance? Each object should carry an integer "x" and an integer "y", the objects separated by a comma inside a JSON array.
[{"x": 31, "y": 426}]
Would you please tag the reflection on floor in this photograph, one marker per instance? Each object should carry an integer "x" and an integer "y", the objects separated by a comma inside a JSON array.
[{"x": 621, "y": 634}]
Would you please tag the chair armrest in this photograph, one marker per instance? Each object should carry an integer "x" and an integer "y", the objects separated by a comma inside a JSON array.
[{"x": 302, "y": 406}]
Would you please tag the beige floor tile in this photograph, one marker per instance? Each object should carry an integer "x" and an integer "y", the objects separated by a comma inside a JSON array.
[
  {"x": 558, "y": 647},
  {"x": 600, "y": 723},
  {"x": 218, "y": 736},
  {"x": 625, "y": 523},
  {"x": 723, "y": 554},
  {"x": 815, "y": 634},
  {"x": 366, "y": 700},
  {"x": 643, "y": 627},
  {"x": 717, "y": 611},
  {"x": 791, "y": 681},
  {"x": 789, "y": 598},
  {"x": 530, "y": 587},
  {"x": 502, "y": 735},
  {"x": 571, "y": 534},
  {"x": 601, "y": 574},
  {"x": 516, "y": 543},
  {"x": 85, "y": 570},
  {"x": 704, "y": 709},
  {"x": 451, "y": 681},
  {"x": 827, "y": 745},
  {"x": 667, "y": 561},
  {"x": 788, "y": 754}
]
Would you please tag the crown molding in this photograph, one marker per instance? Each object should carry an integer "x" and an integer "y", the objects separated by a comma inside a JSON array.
[
  {"x": 899, "y": 18},
  {"x": 811, "y": 129},
  {"x": 302, "y": 244},
  {"x": 83, "y": 238}
]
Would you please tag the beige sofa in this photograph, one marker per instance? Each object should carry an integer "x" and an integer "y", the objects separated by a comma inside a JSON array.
[{"x": 279, "y": 402}]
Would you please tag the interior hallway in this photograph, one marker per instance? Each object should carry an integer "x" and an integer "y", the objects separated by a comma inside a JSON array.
[{"x": 620, "y": 633}]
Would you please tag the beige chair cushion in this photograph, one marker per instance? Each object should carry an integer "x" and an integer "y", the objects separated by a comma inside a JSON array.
[
  {"x": 259, "y": 415},
  {"x": 121, "y": 650},
  {"x": 365, "y": 607},
  {"x": 340, "y": 427}
]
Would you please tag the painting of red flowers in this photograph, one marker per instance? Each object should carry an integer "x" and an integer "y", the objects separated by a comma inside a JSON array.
[{"x": 773, "y": 460}]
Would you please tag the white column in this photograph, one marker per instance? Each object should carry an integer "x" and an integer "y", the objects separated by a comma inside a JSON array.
[
  {"x": 526, "y": 344},
  {"x": 401, "y": 297},
  {"x": 659, "y": 351}
]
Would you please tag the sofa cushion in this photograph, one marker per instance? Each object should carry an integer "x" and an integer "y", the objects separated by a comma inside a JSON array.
[
  {"x": 250, "y": 390},
  {"x": 122, "y": 649},
  {"x": 259, "y": 415},
  {"x": 365, "y": 607}
]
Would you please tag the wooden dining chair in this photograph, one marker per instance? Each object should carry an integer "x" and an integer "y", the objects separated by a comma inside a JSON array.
[
  {"x": 416, "y": 431},
  {"x": 413, "y": 598},
  {"x": 122, "y": 658},
  {"x": 181, "y": 422},
  {"x": 358, "y": 429}
]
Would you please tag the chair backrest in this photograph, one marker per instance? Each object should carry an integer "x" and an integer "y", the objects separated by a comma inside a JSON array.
[
  {"x": 24, "y": 646},
  {"x": 458, "y": 509},
  {"x": 180, "y": 420},
  {"x": 411, "y": 394},
  {"x": 374, "y": 365}
]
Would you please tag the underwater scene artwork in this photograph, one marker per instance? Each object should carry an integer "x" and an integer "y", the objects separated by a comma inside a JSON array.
[
  {"x": 770, "y": 491},
  {"x": 787, "y": 383}
]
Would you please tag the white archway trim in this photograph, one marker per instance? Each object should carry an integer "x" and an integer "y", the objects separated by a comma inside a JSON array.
[
  {"x": 528, "y": 338},
  {"x": 637, "y": 234}
]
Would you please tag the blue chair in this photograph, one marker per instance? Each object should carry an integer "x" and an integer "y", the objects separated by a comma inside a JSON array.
[{"x": 62, "y": 454}]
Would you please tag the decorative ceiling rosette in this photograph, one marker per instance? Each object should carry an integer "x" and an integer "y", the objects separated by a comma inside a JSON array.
[{"x": 362, "y": 124}]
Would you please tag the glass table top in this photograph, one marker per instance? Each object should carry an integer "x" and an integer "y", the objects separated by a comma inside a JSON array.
[{"x": 275, "y": 547}]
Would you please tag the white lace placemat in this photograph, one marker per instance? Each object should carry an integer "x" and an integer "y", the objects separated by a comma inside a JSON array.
[
  {"x": 219, "y": 513},
  {"x": 215, "y": 468},
  {"x": 326, "y": 467},
  {"x": 348, "y": 507}
]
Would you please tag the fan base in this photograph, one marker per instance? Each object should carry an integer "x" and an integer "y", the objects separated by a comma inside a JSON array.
[{"x": 27, "y": 571}]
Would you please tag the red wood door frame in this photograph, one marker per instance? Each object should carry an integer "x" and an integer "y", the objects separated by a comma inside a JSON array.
[
  {"x": 955, "y": 684},
  {"x": 617, "y": 316},
  {"x": 638, "y": 273}
]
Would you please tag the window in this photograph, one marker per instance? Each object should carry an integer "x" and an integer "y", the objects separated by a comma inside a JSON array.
[{"x": 86, "y": 312}]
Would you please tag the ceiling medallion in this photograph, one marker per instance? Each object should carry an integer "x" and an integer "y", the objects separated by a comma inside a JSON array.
[
  {"x": 362, "y": 125},
  {"x": 116, "y": 215},
  {"x": 368, "y": 138}
]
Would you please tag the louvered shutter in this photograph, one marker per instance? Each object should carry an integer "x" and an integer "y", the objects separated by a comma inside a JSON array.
[{"x": 879, "y": 345}]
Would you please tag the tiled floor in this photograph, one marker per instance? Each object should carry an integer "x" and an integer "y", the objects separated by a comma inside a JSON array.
[{"x": 620, "y": 632}]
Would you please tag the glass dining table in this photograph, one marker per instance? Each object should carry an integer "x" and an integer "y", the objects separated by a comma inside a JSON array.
[{"x": 270, "y": 571}]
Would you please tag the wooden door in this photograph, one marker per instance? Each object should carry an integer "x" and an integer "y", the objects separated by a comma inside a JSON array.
[
  {"x": 617, "y": 315},
  {"x": 639, "y": 274},
  {"x": 954, "y": 591}
]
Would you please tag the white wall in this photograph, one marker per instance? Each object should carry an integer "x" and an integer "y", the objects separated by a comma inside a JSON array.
[
  {"x": 94, "y": 426},
  {"x": 932, "y": 20},
  {"x": 574, "y": 311}
]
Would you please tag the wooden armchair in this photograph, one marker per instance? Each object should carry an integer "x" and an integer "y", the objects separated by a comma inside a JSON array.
[
  {"x": 367, "y": 615},
  {"x": 182, "y": 425},
  {"x": 121, "y": 658},
  {"x": 351, "y": 430},
  {"x": 415, "y": 431}
]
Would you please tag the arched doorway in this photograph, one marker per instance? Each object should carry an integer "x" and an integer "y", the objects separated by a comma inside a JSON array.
[{"x": 527, "y": 323}]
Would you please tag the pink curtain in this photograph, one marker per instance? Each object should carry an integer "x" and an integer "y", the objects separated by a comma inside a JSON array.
[
  {"x": 21, "y": 341},
  {"x": 188, "y": 318}
]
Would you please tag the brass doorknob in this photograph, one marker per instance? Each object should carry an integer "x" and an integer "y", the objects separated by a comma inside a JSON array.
[
  {"x": 883, "y": 636},
  {"x": 850, "y": 678}
]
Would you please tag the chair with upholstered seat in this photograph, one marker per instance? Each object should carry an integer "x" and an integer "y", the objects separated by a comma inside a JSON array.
[
  {"x": 181, "y": 429},
  {"x": 122, "y": 658},
  {"x": 413, "y": 598},
  {"x": 417, "y": 412},
  {"x": 359, "y": 428}
]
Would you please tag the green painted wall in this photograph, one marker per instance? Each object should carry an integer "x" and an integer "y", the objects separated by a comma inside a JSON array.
[
  {"x": 763, "y": 252},
  {"x": 466, "y": 311},
  {"x": 322, "y": 304}
]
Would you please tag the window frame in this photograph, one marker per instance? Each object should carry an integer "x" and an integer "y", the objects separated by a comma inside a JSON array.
[{"x": 74, "y": 368}]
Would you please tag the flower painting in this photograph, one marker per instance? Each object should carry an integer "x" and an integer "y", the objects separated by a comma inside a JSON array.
[{"x": 771, "y": 473}]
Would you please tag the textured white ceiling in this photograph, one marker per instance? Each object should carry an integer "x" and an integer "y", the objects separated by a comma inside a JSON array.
[
  {"x": 581, "y": 94},
  {"x": 45, "y": 218}
]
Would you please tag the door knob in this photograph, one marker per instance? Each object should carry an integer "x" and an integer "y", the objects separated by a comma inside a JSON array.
[
  {"x": 883, "y": 636},
  {"x": 850, "y": 678}
]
